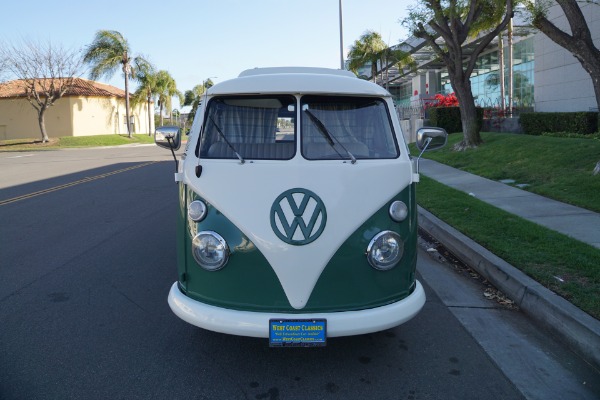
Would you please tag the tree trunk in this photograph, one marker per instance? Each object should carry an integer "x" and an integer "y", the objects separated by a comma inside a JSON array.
[
  {"x": 589, "y": 58},
  {"x": 126, "y": 71},
  {"x": 468, "y": 116},
  {"x": 596, "y": 83},
  {"x": 374, "y": 71},
  {"x": 590, "y": 61},
  {"x": 42, "y": 124},
  {"x": 501, "y": 72},
  {"x": 511, "y": 79},
  {"x": 149, "y": 115}
]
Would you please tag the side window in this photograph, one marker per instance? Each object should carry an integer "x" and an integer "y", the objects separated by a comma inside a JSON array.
[
  {"x": 342, "y": 127},
  {"x": 253, "y": 127}
]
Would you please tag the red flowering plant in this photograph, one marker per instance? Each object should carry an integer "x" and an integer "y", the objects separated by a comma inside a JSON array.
[
  {"x": 440, "y": 100},
  {"x": 442, "y": 110},
  {"x": 445, "y": 101}
]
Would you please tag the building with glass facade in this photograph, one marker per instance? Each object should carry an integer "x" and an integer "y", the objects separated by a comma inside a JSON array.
[{"x": 545, "y": 77}]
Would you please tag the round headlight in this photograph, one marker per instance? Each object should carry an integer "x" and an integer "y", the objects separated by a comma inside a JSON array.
[
  {"x": 398, "y": 211},
  {"x": 210, "y": 250},
  {"x": 385, "y": 250},
  {"x": 197, "y": 210}
]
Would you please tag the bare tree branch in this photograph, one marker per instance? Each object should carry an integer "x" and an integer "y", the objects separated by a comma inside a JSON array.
[
  {"x": 577, "y": 38},
  {"x": 46, "y": 72}
]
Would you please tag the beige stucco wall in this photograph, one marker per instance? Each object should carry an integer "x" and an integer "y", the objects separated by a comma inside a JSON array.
[
  {"x": 71, "y": 116},
  {"x": 19, "y": 120},
  {"x": 102, "y": 116}
]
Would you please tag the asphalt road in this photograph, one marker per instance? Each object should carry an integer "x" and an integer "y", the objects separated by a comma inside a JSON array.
[{"x": 87, "y": 257}]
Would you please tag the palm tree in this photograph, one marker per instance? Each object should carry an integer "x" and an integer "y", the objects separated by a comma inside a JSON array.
[
  {"x": 166, "y": 88},
  {"x": 146, "y": 76},
  {"x": 367, "y": 49},
  {"x": 109, "y": 50},
  {"x": 399, "y": 58},
  {"x": 192, "y": 97}
]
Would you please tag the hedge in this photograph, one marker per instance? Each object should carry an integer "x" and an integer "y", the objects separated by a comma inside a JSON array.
[
  {"x": 449, "y": 118},
  {"x": 536, "y": 123}
]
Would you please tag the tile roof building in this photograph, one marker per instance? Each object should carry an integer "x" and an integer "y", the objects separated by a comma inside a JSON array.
[
  {"x": 87, "y": 108},
  {"x": 79, "y": 87}
]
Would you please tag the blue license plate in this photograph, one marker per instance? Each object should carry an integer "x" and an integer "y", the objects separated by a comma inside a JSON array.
[{"x": 297, "y": 332}]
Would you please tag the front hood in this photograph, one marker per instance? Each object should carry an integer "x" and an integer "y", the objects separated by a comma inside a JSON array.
[{"x": 263, "y": 199}]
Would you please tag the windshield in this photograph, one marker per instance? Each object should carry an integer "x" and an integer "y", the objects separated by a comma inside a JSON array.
[
  {"x": 350, "y": 128},
  {"x": 250, "y": 127}
]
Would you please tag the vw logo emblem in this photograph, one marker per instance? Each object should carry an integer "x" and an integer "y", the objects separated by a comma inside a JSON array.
[{"x": 298, "y": 216}]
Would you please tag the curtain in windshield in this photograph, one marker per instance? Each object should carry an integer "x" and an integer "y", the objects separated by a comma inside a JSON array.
[
  {"x": 253, "y": 127},
  {"x": 334, "y": 126}
]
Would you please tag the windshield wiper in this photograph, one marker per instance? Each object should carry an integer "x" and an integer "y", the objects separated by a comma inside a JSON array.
[
  {"x": 227, "y": 141},
  {"x": 329, "y": 136}
]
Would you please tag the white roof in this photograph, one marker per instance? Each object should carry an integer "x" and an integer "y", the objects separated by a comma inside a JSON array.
[
  {"x": 295, "y": 70},
  {"x": 297, "y": 80}
]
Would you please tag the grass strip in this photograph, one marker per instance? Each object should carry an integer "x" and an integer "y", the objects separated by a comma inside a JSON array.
[
  {"x": 559, "y": 168},
  {"x": 74, "y": 142},
  {"x": 562, "y": 264},
  {"x": 105, "y": 140}
]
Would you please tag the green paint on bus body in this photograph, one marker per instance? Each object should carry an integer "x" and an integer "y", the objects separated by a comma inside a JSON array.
[{"x": 347, "y": 283}]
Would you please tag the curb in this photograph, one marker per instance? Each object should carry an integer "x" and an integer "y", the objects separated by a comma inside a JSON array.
[{"x": 577, "y": 329}]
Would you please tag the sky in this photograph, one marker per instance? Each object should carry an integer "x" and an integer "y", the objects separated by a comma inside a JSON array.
[{"x": 216, "y": 39}]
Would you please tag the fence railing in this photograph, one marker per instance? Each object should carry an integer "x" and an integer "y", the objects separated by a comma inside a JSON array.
[
  {"x": 414, "y": 109},
  {"x": 492, "y": 108}
]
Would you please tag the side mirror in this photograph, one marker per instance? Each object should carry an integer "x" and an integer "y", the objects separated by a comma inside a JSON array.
[
  {"x": 429, "y": 138},
  {"x": 168, "y": 137}
]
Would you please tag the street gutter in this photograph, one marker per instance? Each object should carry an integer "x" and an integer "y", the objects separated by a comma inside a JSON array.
[{"x": 577, "y": 329}]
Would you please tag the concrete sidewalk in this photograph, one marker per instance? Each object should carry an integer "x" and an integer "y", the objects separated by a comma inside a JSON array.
[
  {"x": 580, "y": 224},
  {"x": 574, "y": 327}
]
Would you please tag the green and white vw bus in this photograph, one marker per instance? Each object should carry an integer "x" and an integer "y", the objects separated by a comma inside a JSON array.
[{"x": 297, "y": 214}]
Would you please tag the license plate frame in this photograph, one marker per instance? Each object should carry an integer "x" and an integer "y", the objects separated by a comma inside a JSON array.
[{"x": 307, "y": 332}]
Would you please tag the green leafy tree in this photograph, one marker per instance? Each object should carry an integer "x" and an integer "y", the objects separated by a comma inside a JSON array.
[
  {"x": 577, "y": 39},
  {"x": 367, "y": 49},
  {"x": 109, "y": 52},
  {"x": 166, "y": 89},
  {"x": 188, "y": 98},
  {"x": 459, "y": 22},
  {"x": 399, "y": 58},
  {"x": 193, "y": 97}
]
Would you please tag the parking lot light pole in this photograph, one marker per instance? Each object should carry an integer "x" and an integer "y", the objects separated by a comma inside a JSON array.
[{"x": 341, "y": 39}]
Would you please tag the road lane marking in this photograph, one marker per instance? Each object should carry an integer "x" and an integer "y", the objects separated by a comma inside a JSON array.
[
  {"x": 71, "y": 184},
  {"x": 21, "y": 156}
]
